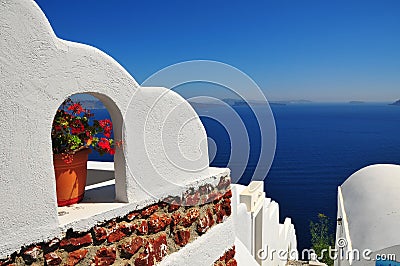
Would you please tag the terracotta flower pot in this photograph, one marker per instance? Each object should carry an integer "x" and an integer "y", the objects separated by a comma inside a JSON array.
[{"x": 71, "y": 177}]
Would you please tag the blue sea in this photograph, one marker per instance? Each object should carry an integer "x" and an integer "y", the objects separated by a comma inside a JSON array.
[{"x": 318, "y": 147}]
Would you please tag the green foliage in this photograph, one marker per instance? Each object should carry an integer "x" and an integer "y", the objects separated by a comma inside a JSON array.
[
  {"x": 322, "y": 238},
  {"x": 74, "y": 128}
]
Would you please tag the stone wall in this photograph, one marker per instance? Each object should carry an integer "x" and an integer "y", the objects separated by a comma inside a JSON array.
[
  {"x": 228, "y": 259},
  {"x": 142, "y": 237}
]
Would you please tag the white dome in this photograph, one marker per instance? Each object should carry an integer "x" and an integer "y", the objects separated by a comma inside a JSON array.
[{"x": 371, "y": 198}]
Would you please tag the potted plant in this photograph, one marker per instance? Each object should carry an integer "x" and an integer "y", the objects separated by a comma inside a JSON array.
[{"x": 74, "y": 132}]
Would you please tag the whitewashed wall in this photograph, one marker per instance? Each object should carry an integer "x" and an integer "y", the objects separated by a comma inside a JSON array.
[
  {"x": 368, "y": 204},
  {"x": 276, "y": 236},
  {"x": 165, "y": 142}
]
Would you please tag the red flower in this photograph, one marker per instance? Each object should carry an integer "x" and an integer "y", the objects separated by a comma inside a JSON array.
[
  {"x": 106, "y": 125},
  {"x": 77, "y": 127},
  {"x": 57, "y": 128},
  {"x": 104, "y": 144},
  {"x": 76, "y": 108},
  {"x": 105, "y": 122},
  {"x": 73, "y": 129}
]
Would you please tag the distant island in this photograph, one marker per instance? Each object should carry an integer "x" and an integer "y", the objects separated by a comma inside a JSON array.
[
  {"x": 301, "y": 101},
  {"x": 396, "y": 103},
  {"x": 92, "y": 104},
  {"x": 241, "y": 102},
  {"x": 291, "y": 101},
  {"x": 204, "y": 105},
  {"x": 230, "y": 102},
  {"x": 277, "y": 103},
  {"x": 356, "y": 102}
]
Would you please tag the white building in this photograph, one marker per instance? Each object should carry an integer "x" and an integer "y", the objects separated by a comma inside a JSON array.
[
  {"x": 165, "y": 155},
  {"x": 369, "y": 217}
]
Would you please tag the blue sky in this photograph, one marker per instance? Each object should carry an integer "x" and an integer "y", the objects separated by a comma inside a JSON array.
[{"x": 302, "y": 49}]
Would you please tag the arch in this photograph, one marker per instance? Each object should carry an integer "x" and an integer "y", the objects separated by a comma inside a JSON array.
[{"x": 119, "y": 156}]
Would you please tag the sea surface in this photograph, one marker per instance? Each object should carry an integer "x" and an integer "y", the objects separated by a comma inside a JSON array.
[{"x": 318, "y": 147}]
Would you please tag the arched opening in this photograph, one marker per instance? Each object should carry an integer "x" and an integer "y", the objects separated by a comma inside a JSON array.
[{"x": 90, "y": 122}]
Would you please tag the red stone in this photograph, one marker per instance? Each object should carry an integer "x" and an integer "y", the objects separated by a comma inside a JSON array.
[
  {"x": 169, "y": 199},
  {"x": 105, "y": 256},
  {"x": 100, "y": 233},
  {"x": 76, "y": 256},
  {"x": 227, "y": 258},
  {"x": 224, "y": 183},
  {"x": 111, "y": 224},
  {"x": 223, "y": 209},
  {"x": 232, "y": 262},
  {"x": 202, "y": 225},
  {"x": 182, "y": 237},
  {"x": 52, "y": 259},
  {"x": 173, "y": 200},
  {"x": 228, "y": 194},
  {"x": 230, "y": 254},
  {"x": 154, "y": 251},
  {"x": 115, "y": 236},
  {"x": 158, "y": 222},
  {"x": 77, "y": 242},
  {"x": 32, "y": 254},
  {"x": 118, "y": 231},
  {"x": 125, "y": 227},
  {"x": 176, "y": 217},
  {"x": 193, "y": 200},
  {"x": 210, "y": 216},
  {"x": 219, "y": 211},
  {"x": 54, "y": 242},
  {"x": 130, "y": 248},
  {"x": 226, "y": 205},
  {"x": 142, "y": 227},
  {"x": 205, "y": 189},
  {"x": 132, "y": 215},
  {"x": 144, "y": 260},
  {"x": 205, "y": 222},
  {"x": 214, "y": 197},
  {"x": 149, "y": 211},
  {"x": 190, "y": 217},
  {"x": 157, "y": 247},
  {"x": 173, "y": 206}
]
